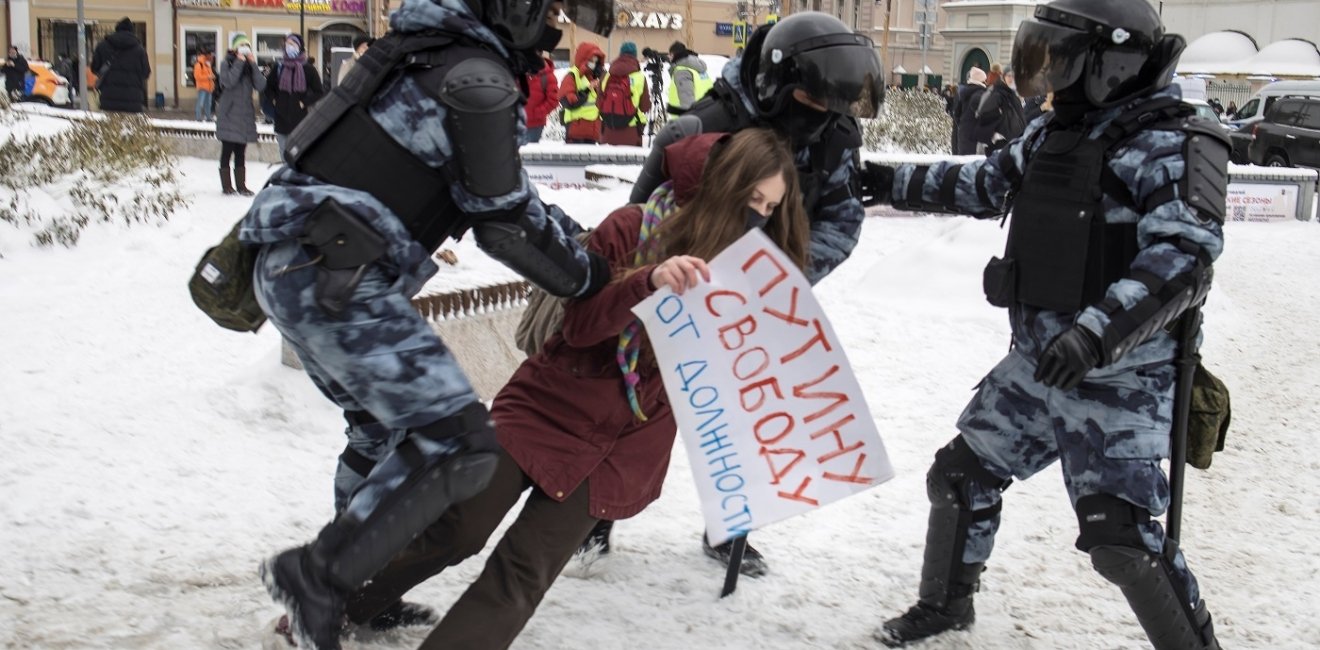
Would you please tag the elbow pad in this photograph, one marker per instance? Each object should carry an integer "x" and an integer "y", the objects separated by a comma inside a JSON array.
[
  {"x": 481, "y": 118},
  {"x": 1165, "y": 303},
  {"x": 538, "y": 255}
]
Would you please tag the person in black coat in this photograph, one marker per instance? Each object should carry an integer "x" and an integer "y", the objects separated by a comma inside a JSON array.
[
  {"x": 292, "y": 86},
  {"x": 16, "y": 69},
  {"x": 122, "y": 68},
  {"x": 964, "y": 118},
  {"x": 1034, "y": 107},
  {"x": 1000, "y": 114}
]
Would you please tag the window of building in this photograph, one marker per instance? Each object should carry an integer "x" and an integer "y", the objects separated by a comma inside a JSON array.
[
  {"x": 194, "y": 39},
  {"x": 269, "y": 45}
]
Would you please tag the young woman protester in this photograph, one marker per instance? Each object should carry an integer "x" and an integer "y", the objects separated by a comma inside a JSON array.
[{"x": 603, "y": 457}]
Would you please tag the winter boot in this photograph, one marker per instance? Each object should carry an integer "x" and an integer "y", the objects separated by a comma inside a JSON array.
[
  {"x": 240, "y": 181},
  {"x": 947, "y": 583},
  {"x": 597, "y": 542},
  {"x": 436, "y": 465},
  {"x": 404, "y": 614},
  {"x": 226, "y": 185},
  {"x": 298, "y": 579},
  {"x": 753, "y": 563},
  {"x": 932, "y": 616}
]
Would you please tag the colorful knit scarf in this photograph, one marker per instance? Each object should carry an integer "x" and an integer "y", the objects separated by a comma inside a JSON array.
[{"x": 661, "y": 204}]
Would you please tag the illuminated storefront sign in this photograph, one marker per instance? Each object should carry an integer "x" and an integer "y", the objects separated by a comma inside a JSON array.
[{"x": 649, "y": 20}]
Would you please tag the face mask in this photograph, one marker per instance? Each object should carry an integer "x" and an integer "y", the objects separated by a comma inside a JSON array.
[
  {"x": 291, "y": 51},
  {"x": 244, "y": 50},
  {"x": 804, "y": 124},
  {"x": 754, "y": 219},
  {"x": 598, "y": 69},
  {"x": 549, "y": 39}
]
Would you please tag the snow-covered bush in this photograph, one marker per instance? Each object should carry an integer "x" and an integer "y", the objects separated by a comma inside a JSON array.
[
  {"x": 554, "y": 127},
  {"x": 911, "y": 121},
  {"x": 56, "y": 177}
]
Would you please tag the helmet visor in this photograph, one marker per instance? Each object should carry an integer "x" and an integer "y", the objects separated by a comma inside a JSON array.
[
  {"x": 1048, "y": 58},
  {"x": 520, "y": 22},
  {"x": 595, "y": 16},
  {"x": 848, "y": 79}
]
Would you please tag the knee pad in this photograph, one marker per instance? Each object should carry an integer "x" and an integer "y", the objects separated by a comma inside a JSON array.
[
  {"x": 955, "y": 466},
  {"x": 1106, "y": 520}
]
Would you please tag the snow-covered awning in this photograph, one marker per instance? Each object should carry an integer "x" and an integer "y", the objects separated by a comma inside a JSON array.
[
  {"x": 898, "y": 69},
  {"x": 1235, "y": 54}
]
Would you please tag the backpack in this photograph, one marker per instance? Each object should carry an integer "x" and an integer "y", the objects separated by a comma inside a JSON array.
[
  {"x": 543, "y": 317},
  {"x": 615, "y": 103}
]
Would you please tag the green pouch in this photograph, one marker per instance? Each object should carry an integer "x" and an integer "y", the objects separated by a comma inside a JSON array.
[
  {"x": 221, "y": 286},
  {"x": 1207, "y": 421}
]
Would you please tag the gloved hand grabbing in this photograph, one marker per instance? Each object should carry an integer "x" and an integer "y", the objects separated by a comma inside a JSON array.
[
  {"x": 1068, "y": 358},
  {"x": 877, "y": 184}
]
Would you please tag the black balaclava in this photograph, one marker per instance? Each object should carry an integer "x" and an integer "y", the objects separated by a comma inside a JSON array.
[
  {"x": 1071, "y": 105},
  {"x": 803, "y": 124},
  {"x": 549, "y": 39}
]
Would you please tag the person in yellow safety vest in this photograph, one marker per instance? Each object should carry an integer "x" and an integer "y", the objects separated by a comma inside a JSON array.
[
  {"x": 577, "y": 94},
  {"x": 624, "y": 99},
  {"x": 688, "y": 79}
]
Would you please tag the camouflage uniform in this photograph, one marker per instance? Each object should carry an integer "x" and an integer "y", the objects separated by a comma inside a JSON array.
[
  {"x": 1111, "y": 432},
  {"x": 380, "y": 356},
  {"x": 836, "y": 214}
]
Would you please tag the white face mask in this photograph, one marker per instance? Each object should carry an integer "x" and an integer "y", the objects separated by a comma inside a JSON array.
[{"x": 244, "y": 50}]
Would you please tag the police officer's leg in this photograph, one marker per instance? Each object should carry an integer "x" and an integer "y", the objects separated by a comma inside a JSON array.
[
  {"x": 1111, "y": 467},
  {"x": 460, "y": 533},
  {"x": 1005, "y": 433},
  {"x": 387, "y": 357}
]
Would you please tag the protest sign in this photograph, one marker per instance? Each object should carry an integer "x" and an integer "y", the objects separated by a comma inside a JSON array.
[{"x": 773, "y": 419}]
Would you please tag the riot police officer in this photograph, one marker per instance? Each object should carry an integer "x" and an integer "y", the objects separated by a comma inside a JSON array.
[
  {"x": 416, "y": 145},
  {"x": 808, "y": 77},
  {"x": 1117, "y": 206}
]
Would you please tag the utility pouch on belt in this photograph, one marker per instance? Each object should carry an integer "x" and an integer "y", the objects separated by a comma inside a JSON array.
[
  {"x": 999, "y": 280},
  {"x": 221, "y": 285},
  {"x": 345, "y": 246},
  {"x": 1208, "y": 418}
]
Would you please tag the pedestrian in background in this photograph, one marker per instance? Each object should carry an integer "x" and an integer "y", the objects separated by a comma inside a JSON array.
[
  {"x": 16, "y": 69},
  {"x": 204, "y": 78},
  {"x": 578, "y": 92},
  {"x": 122, "y": 69},
  {"x": 999, "y": 117},
  {"x": 542, "y": 98},
  {"x": 689, "y": 80},
  {"x": 292, "y": 87},
  {"x": 964, "y": 118},
  {"x": 624, "y": 99},
  {"x": 236, "y": 119}
]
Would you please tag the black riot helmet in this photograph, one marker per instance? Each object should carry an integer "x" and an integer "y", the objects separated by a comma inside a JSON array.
[
  {"x": 1114, "y": 50},
  {"x": 520, "y": 24},
  {"x": 819, "y": 54}
]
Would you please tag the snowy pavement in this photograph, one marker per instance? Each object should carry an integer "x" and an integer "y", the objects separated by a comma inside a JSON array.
[{"x": 152, "y": 459}]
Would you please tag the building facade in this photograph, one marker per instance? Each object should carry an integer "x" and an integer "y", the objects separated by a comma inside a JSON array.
[
  {"x": 1266, "y": 21},
  {"x": 174, "y": 31}
]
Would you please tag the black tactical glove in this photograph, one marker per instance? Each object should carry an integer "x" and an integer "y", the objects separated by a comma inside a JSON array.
[
  {"x": 1068, "y": 358},
  {"x": 877, "y": 184}
]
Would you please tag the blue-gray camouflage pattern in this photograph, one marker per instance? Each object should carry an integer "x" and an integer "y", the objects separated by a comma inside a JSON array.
[
  {"x": 835, "y": 226},
  {"x": 380, "y": 355},
  {"x": 1111, "y": 431}
]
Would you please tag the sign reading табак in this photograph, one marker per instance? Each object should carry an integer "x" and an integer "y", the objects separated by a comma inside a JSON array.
[{"x": 773, "y": 419}]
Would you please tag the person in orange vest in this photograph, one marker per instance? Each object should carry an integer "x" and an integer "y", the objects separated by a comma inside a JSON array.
[
  {"x": 577, "y": 94},
  {"x": 204, "y": 77}
]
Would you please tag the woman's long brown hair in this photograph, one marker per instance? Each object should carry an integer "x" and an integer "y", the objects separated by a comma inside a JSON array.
[{"x": 715, "y": 217}]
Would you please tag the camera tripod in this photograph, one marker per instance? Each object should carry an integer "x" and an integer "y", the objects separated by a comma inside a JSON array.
[{"x": 659, "y": 113}]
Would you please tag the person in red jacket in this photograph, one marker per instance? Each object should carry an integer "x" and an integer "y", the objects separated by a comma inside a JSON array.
[
  {"x": 578, "y": 93},
  {"x": 567, "y": 421},
  {"x": 542, "y": 98},
  {"x": 625, "y": 73}
]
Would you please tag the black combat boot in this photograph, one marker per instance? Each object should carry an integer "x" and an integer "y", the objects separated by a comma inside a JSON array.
[
  {"x": 597, "y": 542},
  {"x": 935, "y": 615},
  {"x": 240, "y": 181},
  {"x": 299, "y": 580},
  {"x": 404, "y": 614},
  {"x": 226, "y": 185}
]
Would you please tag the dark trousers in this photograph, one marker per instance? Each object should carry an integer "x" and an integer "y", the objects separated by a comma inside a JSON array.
[
  {"x": 236, "y": 149},
  {"x": 526, "y": 561}
]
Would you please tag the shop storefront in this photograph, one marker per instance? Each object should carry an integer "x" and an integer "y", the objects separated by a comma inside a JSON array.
[{"x": 211, "y": 23}]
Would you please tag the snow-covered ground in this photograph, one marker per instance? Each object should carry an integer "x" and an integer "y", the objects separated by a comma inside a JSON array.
[{"x": 152, "y": 459}]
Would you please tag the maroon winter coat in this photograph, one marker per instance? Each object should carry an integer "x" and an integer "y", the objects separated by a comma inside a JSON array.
[
  {"x": 564, "y": 416},
  {"x": 628, "y": 136},
  {"x": 542, "y": 95}
]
